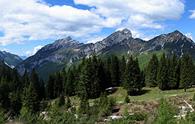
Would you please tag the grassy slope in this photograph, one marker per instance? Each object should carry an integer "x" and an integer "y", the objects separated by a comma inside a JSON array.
[
  {"x": 144, "y": 58},
  {"x": 152, "y": 94}
]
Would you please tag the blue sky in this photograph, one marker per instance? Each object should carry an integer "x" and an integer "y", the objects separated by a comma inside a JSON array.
[{"x": 27, "y": 25}]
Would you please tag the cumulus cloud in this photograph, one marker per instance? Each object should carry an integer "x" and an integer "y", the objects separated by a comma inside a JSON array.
[
  {"x": 29, "y": 20},
  {"x": 137, "y": 13},
  {"x": 23, "y": 20},
  {"x": 35, "y": 49},
  {"x": 192, "y": 16}
]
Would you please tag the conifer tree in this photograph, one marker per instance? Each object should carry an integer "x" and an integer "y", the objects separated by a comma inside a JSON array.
[
  {"x": 186, "y": 72},
  {"x": 34, "y": 78},
  {"x": 173, "y": 72},
  {"x": 163, "y": 73},
  {"x": 114, "y": 70},
  {"x": 31, "y": 99},
  {"x": 133, "y": 77},
  {"x": 122, "y": 68},
  {"x": 69, "y": 86},
  {"x": 151, "y": 72},
  {"x": 50, "y": 87}
]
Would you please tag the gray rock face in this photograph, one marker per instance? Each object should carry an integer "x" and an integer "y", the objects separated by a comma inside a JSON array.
[
  {"x": 68, "y": 50},
  {"x": 10, "y": 59}
]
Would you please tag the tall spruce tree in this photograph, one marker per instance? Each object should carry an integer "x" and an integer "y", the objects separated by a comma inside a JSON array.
[
  {"x": 173, "y": 72},
  {"x": 114, "y": 70},
  {"x": 133, "y": 77},
  {"x": 163, "y": 73},
  {"x": 30, "y": 99},
  {"x": 152, "y": 71},
  {"x": 122, "y": 68},
  {"x": 186, "y": 78},
  {"x": 69, "y": 85},
  {"x": 34, "y": 78}
]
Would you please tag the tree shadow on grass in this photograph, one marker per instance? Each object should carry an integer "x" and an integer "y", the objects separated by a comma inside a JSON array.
[{"x": 142, "y": 92}]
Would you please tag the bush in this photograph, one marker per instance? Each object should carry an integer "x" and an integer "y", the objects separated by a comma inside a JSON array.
[
  {"x": 2, "y": 118},
  {"x": 127, "y": 100},
  {"x": 61, "y": 101},
  {"x": 193, "y": 99},
  {"x": 165, "y": 113}
]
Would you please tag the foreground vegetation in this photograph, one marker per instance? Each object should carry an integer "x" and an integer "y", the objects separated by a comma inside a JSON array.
[{"x": 88, "y": 93}]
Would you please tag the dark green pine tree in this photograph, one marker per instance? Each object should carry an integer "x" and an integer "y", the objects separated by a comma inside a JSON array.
[
  {"x": 58, "y": 85},
  {"x": 15, "y": 102},
  {"x": 151, "y": 72},
  {"x": 69, "y": 85},
  {"x": 128, "y": 73},
  {"x": 84, "y": 81},
  {"x": 50, "y": 87},
  {"x": 114, "y": 71},
  {"x": 25, "y": 79},
  {"x": 173, "y": 72},
  {"x": 122, "y": 68},
  {"x": 186, "y": 78},
  {"x": 30, "y": 99},
  {"x": 34, "y": 78},
  {"x": 107, "y": 71},
  {"x": 138, "y": 77},
  {"x": 96, "y": 80},
  {"x": 133, "y": 77},
  {"x": 61, "y": 101},
  {"x": 68, "y": 102},
  {"x": 163, "y": 73}
]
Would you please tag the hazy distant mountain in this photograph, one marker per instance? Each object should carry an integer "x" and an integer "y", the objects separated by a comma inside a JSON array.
[
  {"x": 54, "y": 56},
  {"x": 10, "y": 59}
]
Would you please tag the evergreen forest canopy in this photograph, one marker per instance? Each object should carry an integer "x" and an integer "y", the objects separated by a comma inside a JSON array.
[{"x": 28, "y": 95}]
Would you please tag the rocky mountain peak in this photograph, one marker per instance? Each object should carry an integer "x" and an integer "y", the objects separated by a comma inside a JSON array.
[
  {"x": 65, "y": 41},
  {"x": 126, "y": 32},
  {"x": 178, "y": 36}
]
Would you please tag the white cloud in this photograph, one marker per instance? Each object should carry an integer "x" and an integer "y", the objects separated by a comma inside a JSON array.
[
  {"x": 137, "y": 13},
  {"x": 192, "y": 16},
  {"x": 29, "y": 20},
  {"x": 35, "y": 49},
  {"x": 23, "y": 20}
]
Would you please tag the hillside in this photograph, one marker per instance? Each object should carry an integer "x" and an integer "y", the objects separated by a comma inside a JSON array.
[
  {"x": 53, "y": 57},
  {"x": 10, "y": 59}
]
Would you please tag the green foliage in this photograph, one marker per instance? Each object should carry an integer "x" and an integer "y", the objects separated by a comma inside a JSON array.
[
  {"x": 105, "y": 105},
  {"x": 2, "y": 118},
  {"x": 28, "y": 117},
  {"x": 57, "y": 116},
  {"x": 151, "y": 72},
  {"x": 68, "y": 103},
  {"x": 84, "y": 106},
  {"x": 193, "y": 99},
  {"x": 31, "y": 99},
  {"x": 61, "y": 101},
  {"x": 114, "y": 71},
  {"x": 133, "y": 77},
  {"x": 130, "y": 119},
  {"x": 163, "y": 73},
  {"x": 127, "y": 100},
  {"x": 186, "y": 72},
  {"x": 165, "y": 113},
  {"x": 15, "y": 103}
]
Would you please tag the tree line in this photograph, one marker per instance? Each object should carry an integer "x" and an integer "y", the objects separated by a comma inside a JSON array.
[
  {"x": 90, "y": 78},
  {"x": 170, "y": 72},
  {"x": 93, "y": 75}
]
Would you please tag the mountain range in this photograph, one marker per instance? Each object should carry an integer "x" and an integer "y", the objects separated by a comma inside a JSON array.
[
  {"x": 10, "y": 59},
  {"x": 55, "y": 56}
]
